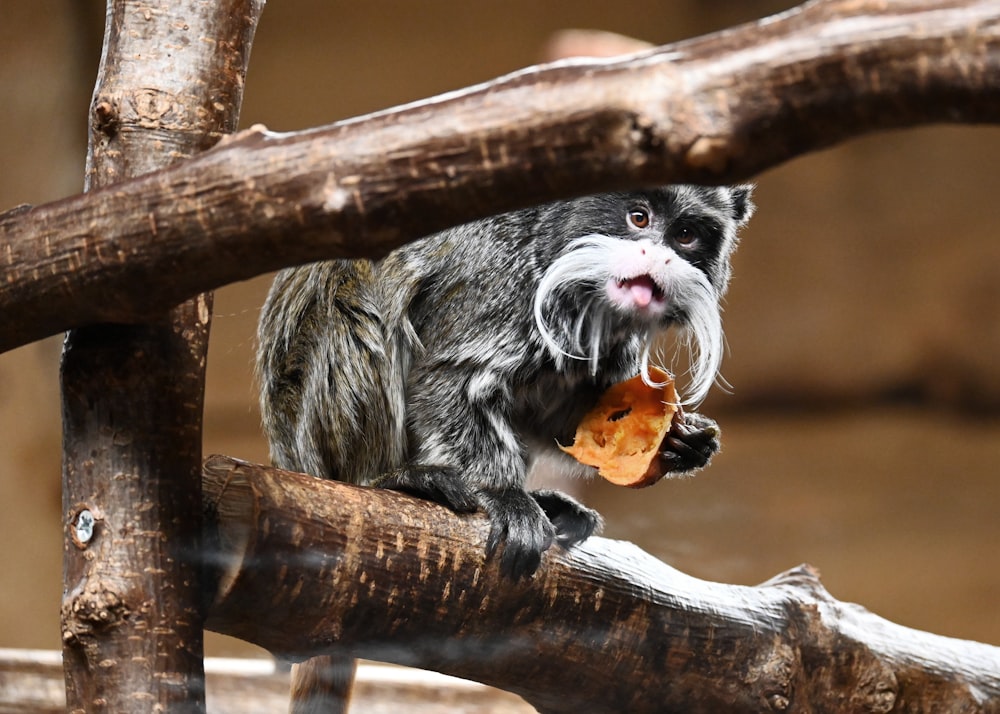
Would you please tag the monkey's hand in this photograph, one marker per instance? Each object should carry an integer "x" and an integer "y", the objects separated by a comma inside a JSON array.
[{"x": 690, "y": 444}]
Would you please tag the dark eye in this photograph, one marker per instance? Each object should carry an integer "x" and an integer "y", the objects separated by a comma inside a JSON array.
[
  {"x": 686, "y": 237},
  {"x": 638, "y": 217},
  {"x": 692, "y": 234}
]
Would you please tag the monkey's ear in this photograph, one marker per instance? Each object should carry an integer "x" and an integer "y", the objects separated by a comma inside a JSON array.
[{"x": 743, "y": 206}]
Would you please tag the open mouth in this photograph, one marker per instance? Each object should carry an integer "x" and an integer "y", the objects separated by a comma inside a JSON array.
[{"x": 640, "y": 292}]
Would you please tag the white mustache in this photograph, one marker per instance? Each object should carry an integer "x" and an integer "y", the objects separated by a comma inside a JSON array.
[{"x": 584, "y": 270}]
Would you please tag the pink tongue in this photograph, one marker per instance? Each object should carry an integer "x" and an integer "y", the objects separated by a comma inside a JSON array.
[{"x": 642, "y": 289}]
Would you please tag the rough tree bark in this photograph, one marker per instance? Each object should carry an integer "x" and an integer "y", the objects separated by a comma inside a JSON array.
[
  {"x": 309, "y": 566},
  {"x": 170, "y": 85},
  {"x": 714, "y": 109}
]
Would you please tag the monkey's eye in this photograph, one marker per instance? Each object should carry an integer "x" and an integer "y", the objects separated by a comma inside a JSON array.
[
  {"x": 638, "y": 217},
  {"x": 686, "y": 237}
]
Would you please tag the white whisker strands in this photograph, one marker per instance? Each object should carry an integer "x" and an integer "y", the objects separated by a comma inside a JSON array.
[
  {"x": 642, "y": 282},
  {"x": 453, "y": 365}
]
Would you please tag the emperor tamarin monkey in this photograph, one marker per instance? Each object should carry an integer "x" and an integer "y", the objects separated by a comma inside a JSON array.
[{"x": 447, "y": 368}]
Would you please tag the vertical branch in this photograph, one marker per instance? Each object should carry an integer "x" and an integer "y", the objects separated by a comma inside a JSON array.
[{"x": 170, "y": 84}]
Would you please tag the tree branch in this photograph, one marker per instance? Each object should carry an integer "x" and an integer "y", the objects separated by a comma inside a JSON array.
[
  {"x": 307, "y": 566},
  {"x": 170, "y": 83},
  {"x": 31, "y": 682},
  {"x": 715, "y": 109}
]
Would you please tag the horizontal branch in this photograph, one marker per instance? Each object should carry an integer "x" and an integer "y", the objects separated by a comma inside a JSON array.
[
  {"x": 307, "y": 566},
  {"x": 33, "y": 681},
  {"x": 716, "y": 109}
]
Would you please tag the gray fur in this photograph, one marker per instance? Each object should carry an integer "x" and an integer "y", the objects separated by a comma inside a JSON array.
[{"x": 445, "y": 359}]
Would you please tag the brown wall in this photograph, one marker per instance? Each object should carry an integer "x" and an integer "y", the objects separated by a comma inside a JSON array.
[{"x": 864, "y": 318}]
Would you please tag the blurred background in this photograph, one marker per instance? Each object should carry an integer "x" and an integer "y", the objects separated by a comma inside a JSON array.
[{"x": 861, "y": 432}]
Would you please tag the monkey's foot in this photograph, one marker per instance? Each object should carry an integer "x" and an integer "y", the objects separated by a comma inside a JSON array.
[
  {"x": 519, "y": 530},
  {"x": 522, "y": 525},
  {"x": 573, "y": 521},
  {"x": 690, "y": 444},
  {"x": 434, "y": 483}
]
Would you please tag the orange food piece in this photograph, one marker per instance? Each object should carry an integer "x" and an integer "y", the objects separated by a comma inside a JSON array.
[{"x": 621, "y": 436}]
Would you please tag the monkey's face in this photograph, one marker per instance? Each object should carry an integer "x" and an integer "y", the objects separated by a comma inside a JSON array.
[{"x": 633, "y": 265}]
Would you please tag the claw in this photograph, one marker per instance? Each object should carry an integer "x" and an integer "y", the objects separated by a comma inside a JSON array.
[{"x": 520, "y": 531}]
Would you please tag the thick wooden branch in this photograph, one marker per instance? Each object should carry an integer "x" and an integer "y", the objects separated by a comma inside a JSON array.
[
  {"x": 170, "y": 84},
  {"x": 715, "y": 109},
  {"x": 308, "y": 566}
]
